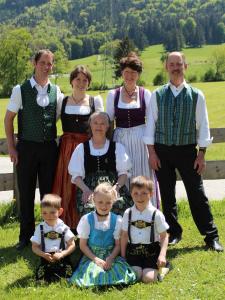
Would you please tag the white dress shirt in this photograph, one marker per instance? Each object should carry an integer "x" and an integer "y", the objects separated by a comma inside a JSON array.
[
  {"x": 15, "y": 102},
  {"x": 142, "y": 235},
  {"x": 202, "y": 122}
]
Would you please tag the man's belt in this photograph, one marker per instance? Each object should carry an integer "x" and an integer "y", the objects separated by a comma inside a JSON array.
[
  {"x": 52, "y": 235},
  {"x": 141, "y": 224}
]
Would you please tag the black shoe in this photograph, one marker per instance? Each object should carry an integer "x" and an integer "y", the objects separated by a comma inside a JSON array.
[
  {"x": 22, "y": 244},
  {"x": 214, "y": 245},
  {"x": 173, "y": 240}
]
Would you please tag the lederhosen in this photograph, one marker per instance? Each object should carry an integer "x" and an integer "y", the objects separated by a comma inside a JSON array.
[
  {"x": 54, "y": 271},
  {"x": 143, "y": 255}
]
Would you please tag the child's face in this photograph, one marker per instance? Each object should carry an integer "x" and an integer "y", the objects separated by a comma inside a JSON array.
[
  {"x": 50, "y": 215},
  {"x": 141, "y": 197},
  {"x": 103, "y": 203}
]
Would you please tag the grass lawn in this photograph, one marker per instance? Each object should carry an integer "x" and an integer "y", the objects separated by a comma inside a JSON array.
[{"x": 196, "y": 273}]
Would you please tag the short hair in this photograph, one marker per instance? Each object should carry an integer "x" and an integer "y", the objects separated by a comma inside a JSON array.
[
  {"x": 142, "y": 182},
  {"x": 96, "y": 114},
  {"x": 107, "y": 189},
  {"x": 181, "y": 53},
  {"x": 80, "y": 69},
  {"x": 131, "y": 61},
  {"x": 51, "y": 200},
  {"x": 39, "y": 53}
]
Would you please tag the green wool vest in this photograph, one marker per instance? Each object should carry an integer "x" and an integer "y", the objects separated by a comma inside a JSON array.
[
  {"x": 36, "y": 123},
  {"x": 176, "y": 124}
]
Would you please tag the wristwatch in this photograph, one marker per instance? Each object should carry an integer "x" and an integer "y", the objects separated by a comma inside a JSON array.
[{"x": 202, "y": 149}]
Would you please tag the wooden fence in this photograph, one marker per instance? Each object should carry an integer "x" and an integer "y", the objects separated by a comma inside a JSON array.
[{"x": 215, "y": 169}]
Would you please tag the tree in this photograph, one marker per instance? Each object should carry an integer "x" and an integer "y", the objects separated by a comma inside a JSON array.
[
  {"x": 218, "y": 60},
  {"x": 124, "y": 48},
  {"x": 15, "y": 53}
]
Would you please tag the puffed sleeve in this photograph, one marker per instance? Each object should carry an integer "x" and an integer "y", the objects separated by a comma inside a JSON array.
[
  {"x": 36, "y": 238},
  {"x": 117, "y": 231},
  {"x": 125, "y": 220},
  {"x": 60, "y": 97},
  {"x": 110, "y": 104},
  {"x": 68, "y": 234},
  {"x": 98, "y": 101},
  {"x": 147, "y": 97},
  {"x": 76, "y": 164},
  {"x": 123, "y": 163},
  {"x": 83, "y": 228}
]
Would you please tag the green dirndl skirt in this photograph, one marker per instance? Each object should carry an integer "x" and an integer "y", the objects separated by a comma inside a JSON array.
[
  {"x": 92, "y": 180},
  {"x": 88, "y": 274}
]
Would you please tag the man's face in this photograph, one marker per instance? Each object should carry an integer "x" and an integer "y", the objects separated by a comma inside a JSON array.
[
  {"x": 44, "y": 65},
  {"x": 175, "y": 66}
]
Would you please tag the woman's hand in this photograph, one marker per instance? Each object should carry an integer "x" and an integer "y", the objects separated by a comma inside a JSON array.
[
  {"x": 86, "y": 196},
  {"x": 99, "y": 262},
  {"x": 108, "y": 263}
]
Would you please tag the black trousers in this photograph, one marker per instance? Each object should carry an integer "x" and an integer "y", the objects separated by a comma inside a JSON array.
[
  {"x": 182, "y": 158},
  {"x": 35, "y": 160}
]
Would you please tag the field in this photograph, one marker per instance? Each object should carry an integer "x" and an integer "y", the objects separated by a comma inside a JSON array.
[{"x": 196, "y": 273}]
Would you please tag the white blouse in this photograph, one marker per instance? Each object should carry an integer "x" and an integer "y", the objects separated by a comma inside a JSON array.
[
  {"x": 121, "y": 104},
  {"x": 76, "y": 164},
  {"x": 83, "y": 227},
  {"x": 142, "y": 236},
  {"x": 85, "y": 109}
]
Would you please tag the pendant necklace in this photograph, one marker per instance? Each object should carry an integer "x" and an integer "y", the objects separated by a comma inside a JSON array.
[{"x": 132, "y": 94}]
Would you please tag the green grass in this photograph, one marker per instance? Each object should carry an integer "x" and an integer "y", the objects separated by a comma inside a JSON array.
[{"x": 196, "y": 274}]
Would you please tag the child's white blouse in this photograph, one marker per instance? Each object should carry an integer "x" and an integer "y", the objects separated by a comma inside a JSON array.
[{"x": 84, "y": 229}]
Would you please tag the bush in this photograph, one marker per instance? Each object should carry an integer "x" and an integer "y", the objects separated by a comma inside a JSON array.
[
  {"x": 192, "y": 78},
  {"x": 159, "y": 79},
  {"x": 209, "y": 75},
  {"x": 141, "y": 82},
  {"x": 96, "y": 86}
]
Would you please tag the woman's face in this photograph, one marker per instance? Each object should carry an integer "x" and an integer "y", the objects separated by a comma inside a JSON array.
[
  {"x": 130, "y": 76},
  {"x": 80, "y": 83},
  {"x": 99, "y": 126}
]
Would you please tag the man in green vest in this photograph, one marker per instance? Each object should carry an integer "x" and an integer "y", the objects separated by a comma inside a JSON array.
[
  {"x": 177, "y": 123},
  {"x": 37, "y": 103}
]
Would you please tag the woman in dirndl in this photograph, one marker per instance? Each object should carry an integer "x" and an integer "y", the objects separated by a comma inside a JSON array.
[
  {"x": 100, "y": 160},
  {"x": 128, "y": 105},
  {"x": 75, "y": 112}
]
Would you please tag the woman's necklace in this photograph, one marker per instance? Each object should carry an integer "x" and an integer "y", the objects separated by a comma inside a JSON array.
[
  {"x": 77, "y": 101},
  {"x": 131, "y": 94}
]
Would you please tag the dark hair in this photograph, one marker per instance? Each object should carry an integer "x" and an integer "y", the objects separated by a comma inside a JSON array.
[
  {"x": 96, "y": 114},
  {"x": 38, "y": 54},
  {"x": 141, "y": 182},
  {"x": 80, "y": 69},
  {"x": 51, "y": 200},
  {"x": 131, "y": 61}
]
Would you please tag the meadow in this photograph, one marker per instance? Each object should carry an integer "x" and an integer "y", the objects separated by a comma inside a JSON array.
[{"x": 196, "y": 273}]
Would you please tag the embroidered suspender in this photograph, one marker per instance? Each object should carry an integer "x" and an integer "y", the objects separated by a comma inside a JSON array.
[
  {"x": 62, "y": 243},
  {"x": 42, "y": 239},
  {"x": 152, "y": 234}
]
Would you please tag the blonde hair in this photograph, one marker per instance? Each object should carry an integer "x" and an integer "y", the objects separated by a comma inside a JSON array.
[
  {"x": 142, "y": 182},
  {"x": 51, "y": 200},
  {"x": 107, "y": 189}
]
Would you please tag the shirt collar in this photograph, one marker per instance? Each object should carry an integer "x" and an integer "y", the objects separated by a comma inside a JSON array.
[
  {"x": 180, "y": 87},
  {"x": 34, "y": 83}
]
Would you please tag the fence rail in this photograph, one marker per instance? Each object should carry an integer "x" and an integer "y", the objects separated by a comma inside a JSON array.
[{"x": 215, "y": 168}]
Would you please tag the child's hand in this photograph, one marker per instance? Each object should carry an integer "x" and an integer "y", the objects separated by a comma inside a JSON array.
[
  {"x": 57, "y": 256},
  {"x": 48, "y": 257},
  {"x": 161, "y": 262},
  {"x": 108, "y": 263},
  {"x": 100, "y": 262}
]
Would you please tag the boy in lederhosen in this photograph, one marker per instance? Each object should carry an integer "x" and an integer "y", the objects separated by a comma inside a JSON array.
[
  {"x": 53, "y": 241},
  {"x": 144, "y": 237}
]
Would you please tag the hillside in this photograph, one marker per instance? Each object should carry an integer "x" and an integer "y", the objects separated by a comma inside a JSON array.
[{"x": 82, "y": 26}]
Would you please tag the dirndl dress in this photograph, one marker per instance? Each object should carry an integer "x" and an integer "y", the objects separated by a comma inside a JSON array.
[
  {"x": 100, "y": 169},
  {"x": 129, "y": 131},
  {"x": 101, "y": 243}
]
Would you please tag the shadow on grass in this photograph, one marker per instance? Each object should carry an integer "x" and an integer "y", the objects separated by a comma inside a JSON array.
[
  {"x": 174, "y": 252},
  {"x": 21, "y": 283}
]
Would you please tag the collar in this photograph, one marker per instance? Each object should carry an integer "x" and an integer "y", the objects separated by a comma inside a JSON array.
[
  {"x": 180, "y": 87},
  {"x": 33, "y": 82},
  {"x": 58, "y": 222}
]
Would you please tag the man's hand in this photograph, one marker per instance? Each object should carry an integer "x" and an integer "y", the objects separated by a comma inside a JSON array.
[
  {"x": 200, "y": 164},
  {"x": 154, "y": 161},
  {"x": 13, "y": 154}
]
